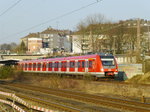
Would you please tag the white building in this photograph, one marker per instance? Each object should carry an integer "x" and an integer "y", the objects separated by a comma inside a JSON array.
[
  {"x": 55, "y": 40},
  {"x": 76, "y": 44}
]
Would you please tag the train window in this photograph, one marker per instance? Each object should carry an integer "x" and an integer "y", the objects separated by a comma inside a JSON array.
[
  {"x": 44, "y": 65},
  {"x": 53, "y": 65},
  {"x": 50, "y": 65},
  {"x": 79, "y": 64},
  {"x": 72, "y": 64},
  {"x": 56, "y": 64},
  {"x": 47, "y": 65},
  {"x": 76, "y": 64},
  {"x": 62, "y": 64},
  {"x": 108, "y": 62},
  {"x": 65, "y": 64},
  {"x": 83, "y": 64},
  {"x": 34, "y": 65},
  {"x": 39, "y": 65},
  {"x": 30, "y": 65},
  {"x": 59, "y": 65},
  {"x": 25, "y": 65},
  {"x": 90, "y": 64},
  {"x": 86, "y": 64},
  {"x": 22, "y": 65}
]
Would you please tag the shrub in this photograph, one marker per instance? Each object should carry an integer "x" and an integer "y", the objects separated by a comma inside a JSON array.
[{"x": 9, "y": 72}]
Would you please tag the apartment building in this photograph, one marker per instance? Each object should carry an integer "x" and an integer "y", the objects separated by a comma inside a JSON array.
[{"x": 48, "y": 41}]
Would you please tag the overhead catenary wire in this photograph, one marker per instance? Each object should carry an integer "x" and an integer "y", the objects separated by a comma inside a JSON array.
[
  {"x": 9, "y": 8},
  {"x": 58, "y": 17}
]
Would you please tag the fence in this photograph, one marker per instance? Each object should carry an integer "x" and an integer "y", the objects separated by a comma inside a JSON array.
[{"x": 16, "y": 98}]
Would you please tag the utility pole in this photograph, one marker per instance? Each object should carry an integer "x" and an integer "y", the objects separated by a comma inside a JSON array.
[
  {"x": 148, "y": 39},
  {"x": 82, "y": 43},
  {"x": 138, "y": 47},
  {"x": 114, "y": 44},
  {"x": 92, "y": 41}
]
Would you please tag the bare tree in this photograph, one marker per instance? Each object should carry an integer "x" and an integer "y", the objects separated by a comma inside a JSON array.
[{"x": 90, "y": 29}]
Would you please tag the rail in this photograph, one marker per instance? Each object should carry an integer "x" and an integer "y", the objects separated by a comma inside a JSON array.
[{"x": 100, "y": 100}]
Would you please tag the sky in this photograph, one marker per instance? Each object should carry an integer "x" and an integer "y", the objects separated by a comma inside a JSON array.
[{"x": 30, "y": 16}]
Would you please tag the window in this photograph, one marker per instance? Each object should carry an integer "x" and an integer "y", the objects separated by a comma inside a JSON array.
[
  {"x": 86, "y": 64},
  {"x": 30, "y": 65},
  {"x": 90, "y": 64},
  {"x": 108, "y": 62},
  {"x": 22, "y": 65},
  {"x": 65, "y": 64},
  {"x": 56, "y": 64},
  {"x": 34, "y": 65},
  {"x": 72, "y": 64},
  {"x": 44, "y": 65},
  {"x": 49, "y": 65},
  {"x": 79, "y": 64},
  {"x": 39, "y": 65},
  {"x": 62, "y": 64},
  {"x": 26, "y": 65},
  {"x": 83, "y": 64}
]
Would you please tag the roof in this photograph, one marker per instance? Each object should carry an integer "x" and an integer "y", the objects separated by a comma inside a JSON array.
[
  {"x": 61, "y": 58},
  {"x": 31, "y": 35},
  {"x": 9, "y": 62},
  {"x": 54, "y": 31}
]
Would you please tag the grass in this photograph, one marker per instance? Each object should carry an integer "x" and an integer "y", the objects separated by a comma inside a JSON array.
[
  {"x": 111, "y": 89},
  {"x": 134, "y": 89}
]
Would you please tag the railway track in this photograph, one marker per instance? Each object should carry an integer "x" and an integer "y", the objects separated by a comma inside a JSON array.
[
  {"x": 88, "y": 98},
  {"x": 55, "y": 102}
]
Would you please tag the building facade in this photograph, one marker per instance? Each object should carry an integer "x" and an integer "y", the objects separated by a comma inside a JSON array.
[
  {"x": 34, "y": 45},
  {"x": 55, "y": 40},
  {"x": 48, "y": 41}
]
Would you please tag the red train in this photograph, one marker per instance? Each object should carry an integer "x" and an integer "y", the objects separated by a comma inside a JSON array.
[{"x": 95, "y": 65}]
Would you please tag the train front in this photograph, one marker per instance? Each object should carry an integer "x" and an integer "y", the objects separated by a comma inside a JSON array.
[{"x": 109, "y": 65}]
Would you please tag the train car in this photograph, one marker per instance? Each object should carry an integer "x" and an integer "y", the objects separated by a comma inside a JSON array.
[{"x": 95, "y": 65}]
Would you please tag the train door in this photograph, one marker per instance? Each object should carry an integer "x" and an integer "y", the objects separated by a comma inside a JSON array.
[
  {"x": 81, "y": 66},
  {"x": 72, "y": 66},
  {"x": 44, "y": 66},
  {"x": 91, "y": 65}
]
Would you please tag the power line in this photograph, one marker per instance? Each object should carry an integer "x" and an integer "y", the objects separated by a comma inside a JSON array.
[
  {"x": 58, "y": 17},
  {"x": 10, "y": 8}
]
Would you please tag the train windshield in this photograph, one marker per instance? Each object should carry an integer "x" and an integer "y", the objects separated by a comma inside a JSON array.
[{"x": 108, "y": 61}]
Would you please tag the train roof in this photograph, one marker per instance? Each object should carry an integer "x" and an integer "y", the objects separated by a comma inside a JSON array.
[
  {"x": 64, "y": 58},
  {"x": 61, "y": 58}
]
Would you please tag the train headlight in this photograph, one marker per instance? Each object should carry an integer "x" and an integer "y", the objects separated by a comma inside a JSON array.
[{"x": 102, "y": 69}]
